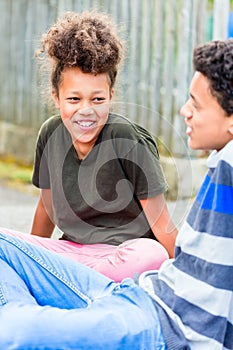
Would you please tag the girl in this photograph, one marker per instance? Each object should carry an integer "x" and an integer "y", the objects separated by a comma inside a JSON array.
[{"x": 99, "y": 173}]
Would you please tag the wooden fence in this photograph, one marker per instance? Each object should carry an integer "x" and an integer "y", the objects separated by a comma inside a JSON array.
[{"x": 154, "y": 80}]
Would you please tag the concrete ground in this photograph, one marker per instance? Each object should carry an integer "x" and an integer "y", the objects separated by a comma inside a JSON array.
[{"x": 17, "y": 208}]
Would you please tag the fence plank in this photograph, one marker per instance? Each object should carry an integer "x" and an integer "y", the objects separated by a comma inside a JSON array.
[
  {"x": 220, "y": 16},
  {"x": 155, "y": 78},
  {"x": 5, "y": 8},
  {"x": 183, "y": 74},
  {"x": 132, "y": 80},
  {"x": 168, "y": 70}
]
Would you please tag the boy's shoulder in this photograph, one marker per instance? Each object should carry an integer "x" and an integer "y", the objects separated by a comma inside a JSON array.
[
  {"x": 225, "y": 155},
  {"x": 228, "y": 153}
]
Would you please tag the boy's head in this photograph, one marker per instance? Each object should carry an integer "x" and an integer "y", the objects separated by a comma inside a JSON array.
[
  {"x": 209, "y": 111},
  {"x": 215, "y": 61},
  {"x": 88, "y": 41}
]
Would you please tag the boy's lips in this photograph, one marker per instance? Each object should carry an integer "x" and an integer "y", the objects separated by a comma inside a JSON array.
[{"x": 188, "y": 130}]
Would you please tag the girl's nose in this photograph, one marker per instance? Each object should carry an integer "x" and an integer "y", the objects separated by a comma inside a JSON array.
[{"x": 85, "y": 110}]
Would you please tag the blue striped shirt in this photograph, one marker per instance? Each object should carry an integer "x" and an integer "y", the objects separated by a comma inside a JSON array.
[{"x": 194, "y": 291}]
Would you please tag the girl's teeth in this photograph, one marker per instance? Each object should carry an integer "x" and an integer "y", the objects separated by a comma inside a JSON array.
[{"x": 85, "y": 124}]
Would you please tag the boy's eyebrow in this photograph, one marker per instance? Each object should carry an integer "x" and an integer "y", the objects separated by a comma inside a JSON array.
[{"x": 193, "y": 98}]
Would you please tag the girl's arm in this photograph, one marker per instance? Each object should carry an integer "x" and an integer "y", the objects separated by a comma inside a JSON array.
[
  {"x": 158, "y": 216},
  {"x": 42, "y": 223}
]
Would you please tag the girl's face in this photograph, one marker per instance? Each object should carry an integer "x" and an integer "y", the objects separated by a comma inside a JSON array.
[
  {"x": 84, "y": 104},
  {"x": 208, "y": 126}
]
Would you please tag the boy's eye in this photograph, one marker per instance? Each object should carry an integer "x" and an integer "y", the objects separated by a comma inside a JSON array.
[{"x": 194, "y": 105}]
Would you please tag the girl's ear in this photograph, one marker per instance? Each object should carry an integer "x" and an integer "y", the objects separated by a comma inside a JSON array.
[
  {"x": 55, "y": 99},
  {"x": 112, "y": 93}
]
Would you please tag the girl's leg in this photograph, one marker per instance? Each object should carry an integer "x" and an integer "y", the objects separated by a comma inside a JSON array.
[
  {"x": 52, "y": 279},
  {"x": 133, "y": 256},
  {"x": 116, "y": 262},
  {"x": 118, "y": 316}
]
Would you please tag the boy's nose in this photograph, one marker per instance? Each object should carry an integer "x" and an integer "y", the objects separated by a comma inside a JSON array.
[
  {"x": 182, "y": 110},
  {"x": 185, "y": 110}
]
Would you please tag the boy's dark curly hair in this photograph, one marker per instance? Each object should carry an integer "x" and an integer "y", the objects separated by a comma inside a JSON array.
[
  {"x": 215, "y": 61},
  {"x": 87, "y": 40}
]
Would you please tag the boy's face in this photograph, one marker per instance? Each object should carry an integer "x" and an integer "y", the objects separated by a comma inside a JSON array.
[
  {"x": 208, "y": 127},
  {"x": 83, "y": 101}
]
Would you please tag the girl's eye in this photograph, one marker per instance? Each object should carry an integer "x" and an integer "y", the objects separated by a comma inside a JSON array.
[
  {"x": 73, "y": 99},
  {"x": 98, "y": 99}
]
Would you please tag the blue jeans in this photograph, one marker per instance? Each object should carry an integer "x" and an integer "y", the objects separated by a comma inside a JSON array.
[{"x": 51, "y": 302}]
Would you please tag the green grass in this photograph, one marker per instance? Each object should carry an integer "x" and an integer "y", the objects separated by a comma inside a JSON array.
[{"x": 15, "y": 173}]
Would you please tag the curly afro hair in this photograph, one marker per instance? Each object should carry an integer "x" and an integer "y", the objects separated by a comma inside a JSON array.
[
  {"x": 87, "y": 40},
  {"x": 215, "y": 61}
]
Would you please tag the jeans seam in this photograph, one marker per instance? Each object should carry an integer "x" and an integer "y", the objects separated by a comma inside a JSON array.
[
  {"x": 2, "y": 299},
  {"x": 52, "y": 271}
]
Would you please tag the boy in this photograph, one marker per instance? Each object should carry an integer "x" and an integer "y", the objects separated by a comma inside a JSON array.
[{"x": 187, "y": 303}]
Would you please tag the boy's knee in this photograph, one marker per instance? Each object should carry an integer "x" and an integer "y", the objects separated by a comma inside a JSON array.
[{"x": 22, "y": 326}]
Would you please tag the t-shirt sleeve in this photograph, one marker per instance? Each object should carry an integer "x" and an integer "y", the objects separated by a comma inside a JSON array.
[
  {"x": 143, "y": 169},
  {"x": 40, "y": 175}
]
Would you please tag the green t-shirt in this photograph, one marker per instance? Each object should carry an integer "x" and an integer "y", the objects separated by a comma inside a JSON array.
[{"x": 96, "y": 200}]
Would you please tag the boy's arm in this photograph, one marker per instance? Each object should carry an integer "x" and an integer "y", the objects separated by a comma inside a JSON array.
[
  {"x": 158, "y": 216},
  {"x": 42, "y": 222}
]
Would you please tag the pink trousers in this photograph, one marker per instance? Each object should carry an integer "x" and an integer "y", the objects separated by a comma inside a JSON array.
[{"x": 116, "y": 262}]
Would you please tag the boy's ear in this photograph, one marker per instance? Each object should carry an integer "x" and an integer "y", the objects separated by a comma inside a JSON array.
[
  {"x": 230, "y": 126},
  {"x": 55, "y": 99},
  {"x": 231, "y": 129}
]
